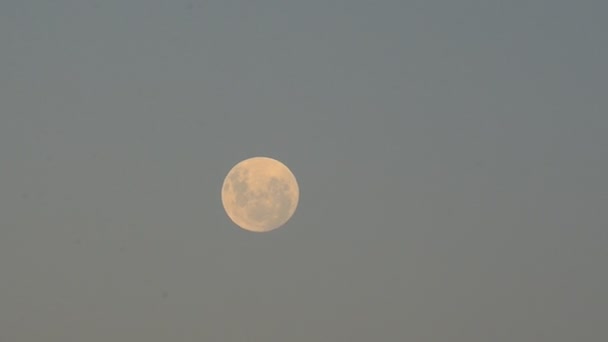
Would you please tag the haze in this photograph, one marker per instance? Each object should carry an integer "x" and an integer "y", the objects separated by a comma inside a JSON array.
[{"x": 451, "y": 158}]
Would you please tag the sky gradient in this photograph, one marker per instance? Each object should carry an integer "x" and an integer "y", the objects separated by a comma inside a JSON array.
[{"x": 451, "y": 158}]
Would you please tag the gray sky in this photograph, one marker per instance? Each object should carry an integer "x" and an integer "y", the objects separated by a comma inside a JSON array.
[{"x": 451, "y": 157}]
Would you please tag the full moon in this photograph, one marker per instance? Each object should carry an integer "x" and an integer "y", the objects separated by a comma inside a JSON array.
[{"x": 260, "y": 194}]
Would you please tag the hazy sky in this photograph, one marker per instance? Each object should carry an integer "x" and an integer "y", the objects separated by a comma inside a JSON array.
[{"x": 452, "y": 158}]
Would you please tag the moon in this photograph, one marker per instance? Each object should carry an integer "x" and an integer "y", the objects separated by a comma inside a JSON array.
[{"x": 260, "y": 194}]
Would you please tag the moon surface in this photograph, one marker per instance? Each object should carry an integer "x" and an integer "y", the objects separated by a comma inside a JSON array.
[{"x": 260, "y": 194}]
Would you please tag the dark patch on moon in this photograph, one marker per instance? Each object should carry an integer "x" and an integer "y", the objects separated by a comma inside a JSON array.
[{"x": 240, "y": 187}]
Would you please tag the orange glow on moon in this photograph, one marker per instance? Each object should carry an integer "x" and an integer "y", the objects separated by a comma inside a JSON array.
[{"x": 260, "y": 194}]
